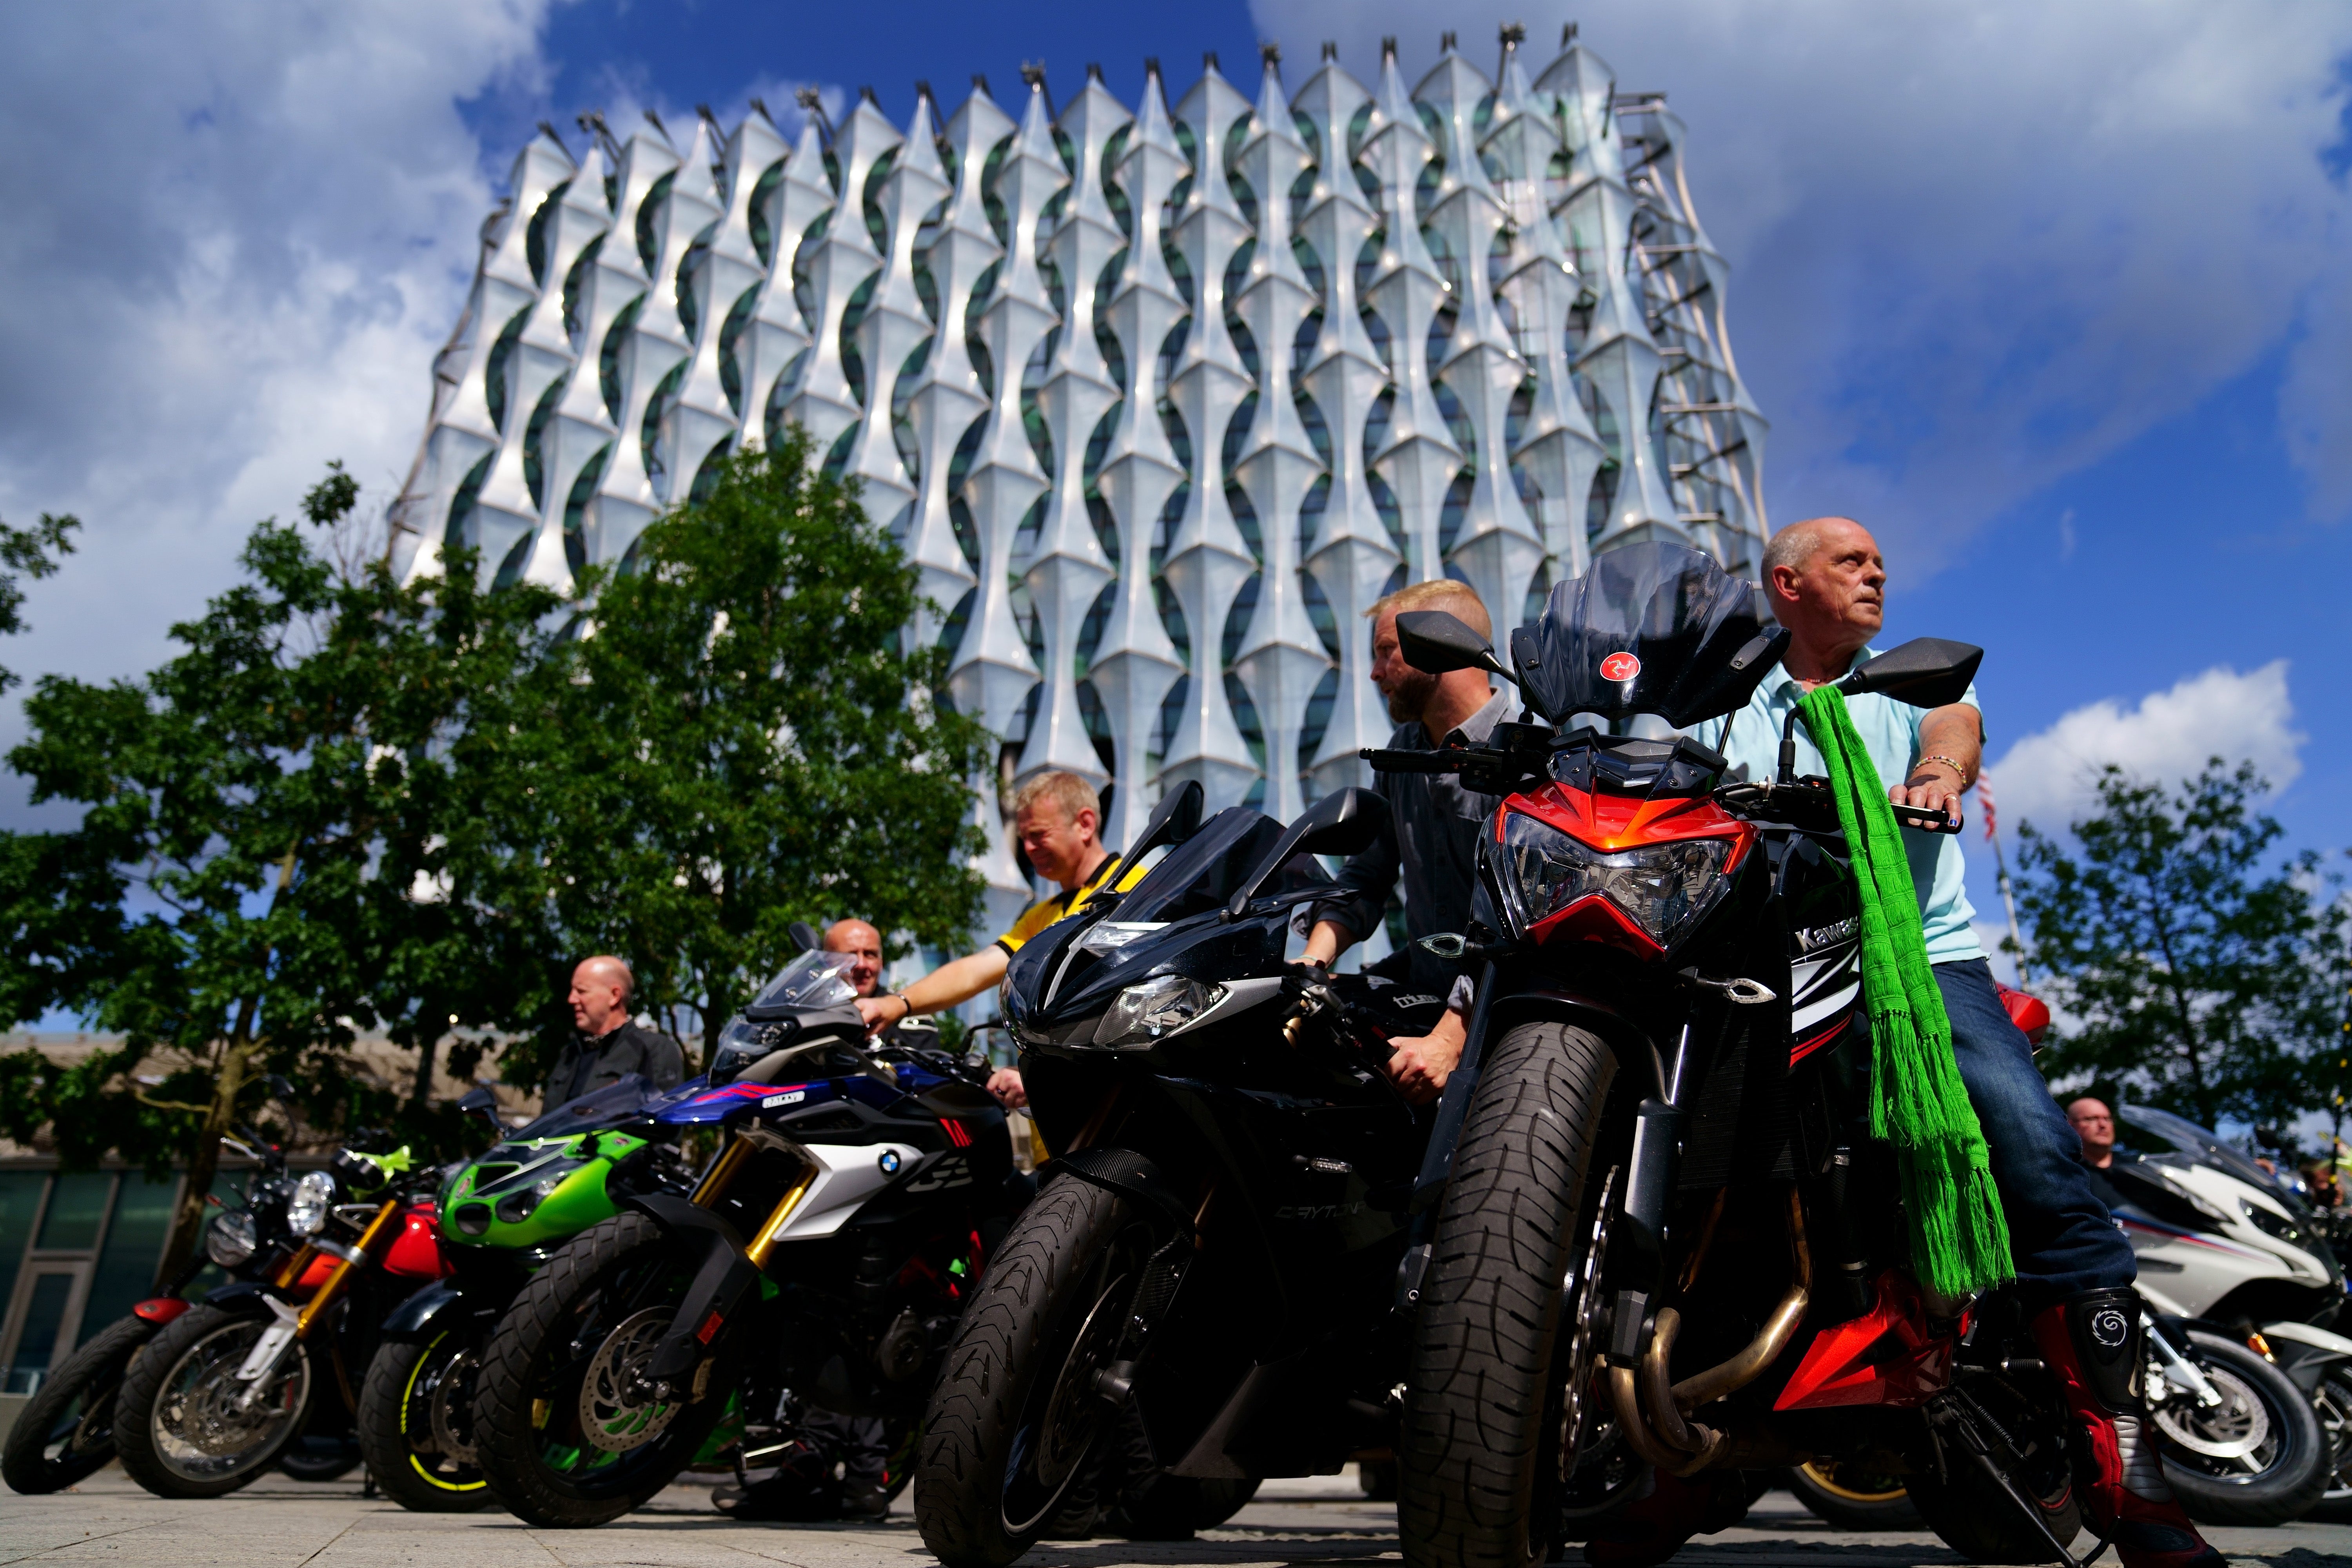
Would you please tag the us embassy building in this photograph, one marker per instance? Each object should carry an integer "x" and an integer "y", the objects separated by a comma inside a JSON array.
[{"x": 1159, "y": 399}]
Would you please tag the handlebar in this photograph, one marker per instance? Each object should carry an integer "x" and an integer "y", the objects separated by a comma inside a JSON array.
[
  {"x": 1450, "y": 759},
  {"x": 1384, "y": 761}
]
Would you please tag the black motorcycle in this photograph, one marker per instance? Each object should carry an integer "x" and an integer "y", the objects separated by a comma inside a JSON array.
[
  {"x": 810, "y": 1279},
  {"x": 1209, "y": 1274}
]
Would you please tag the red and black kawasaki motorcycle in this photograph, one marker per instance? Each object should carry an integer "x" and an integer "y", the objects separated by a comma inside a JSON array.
[{"x": 1666, "y": 1238}]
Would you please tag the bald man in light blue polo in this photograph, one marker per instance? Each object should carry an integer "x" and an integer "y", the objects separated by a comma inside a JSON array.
[{"x": 1826, "y": 581}]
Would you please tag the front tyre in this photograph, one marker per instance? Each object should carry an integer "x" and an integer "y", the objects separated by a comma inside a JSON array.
[
  {"x": 1014, "y": 1421},
  {"x": 66, "y": 1433},
  {"x": 1480, "y": 1459},
  {"x": 2259, "y": 1457},
  {"x": 185, "y": 1425},
  {"x": 563, "y": 1435},
  {"x": 416, "y": 1424}
]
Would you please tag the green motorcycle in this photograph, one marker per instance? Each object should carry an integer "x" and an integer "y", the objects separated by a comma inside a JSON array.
[{"x": 499, "y": 1217}]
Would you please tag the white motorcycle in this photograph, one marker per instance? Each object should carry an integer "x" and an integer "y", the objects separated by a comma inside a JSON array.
[{"x": 2229, "y": 1253}]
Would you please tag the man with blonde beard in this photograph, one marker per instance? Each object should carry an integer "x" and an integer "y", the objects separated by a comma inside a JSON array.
[{"x": 1432, "y": 841}]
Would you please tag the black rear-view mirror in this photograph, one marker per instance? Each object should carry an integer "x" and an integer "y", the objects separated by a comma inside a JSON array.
[
  {"x": 1344, "y": 822},
  {"x": 805, "y": 937},
  {"x": 483, "y": 1103},
  {"x": 1926, "y": 672},
  {"x": 1433, "y": 642}
]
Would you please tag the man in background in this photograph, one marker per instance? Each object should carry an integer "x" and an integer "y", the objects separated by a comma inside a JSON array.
[
  {"x": 2094, "y": 1125},
  {"x": 605, "y": 1046}
]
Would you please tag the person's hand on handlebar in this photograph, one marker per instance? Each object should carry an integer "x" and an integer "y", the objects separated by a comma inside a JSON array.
[
  {"x": 1934, "y": 784},
  {"x": 1005, "y": 1084}
]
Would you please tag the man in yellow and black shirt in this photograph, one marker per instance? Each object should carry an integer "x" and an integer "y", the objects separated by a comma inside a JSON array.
[{"x": 1058, "y": 820}]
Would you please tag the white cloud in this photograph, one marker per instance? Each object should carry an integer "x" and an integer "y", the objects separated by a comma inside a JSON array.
[
  {"x": 2047, "y": 778},
  {"x": 236, "y": 234},
  {"x": 1975, "y": 247}
]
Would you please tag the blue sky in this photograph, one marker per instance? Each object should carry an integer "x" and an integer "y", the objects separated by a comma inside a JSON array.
[{"x": 2052, "y": 298}]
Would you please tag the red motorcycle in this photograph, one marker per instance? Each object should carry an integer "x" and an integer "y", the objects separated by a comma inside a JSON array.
[
  {"x": 1663, "y": 1237},
  {"x": 229, "y": 1386}
]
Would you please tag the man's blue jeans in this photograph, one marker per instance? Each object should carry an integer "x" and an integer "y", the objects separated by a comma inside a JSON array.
[{"x": 2060, "y": 1233}]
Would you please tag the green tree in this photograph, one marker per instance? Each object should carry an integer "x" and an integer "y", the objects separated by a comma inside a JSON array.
[
  {"x": 751, "y": 743},
  {"x": 299, "y": 827},
  {"x": 2191, "y": 974},
  {"x": 32, "y": 553}
]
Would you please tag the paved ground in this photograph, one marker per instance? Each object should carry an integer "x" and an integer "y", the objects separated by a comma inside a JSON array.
[{"x": 108, "y": 1522}]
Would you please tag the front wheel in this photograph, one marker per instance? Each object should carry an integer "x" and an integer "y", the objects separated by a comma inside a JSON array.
[
  {"x": 565, "y": 1435},
  {"x": 2333, "y": 1408},
  {"x": 186, "y": 1424},
  {"x": 66, "y": 1433},
  {"x": 416, "y": 1424},
  {"x": 1496, "y": 1406},
  {"x": 1016, "y": 1426},
  {"x": 2258, "y": 1457}
]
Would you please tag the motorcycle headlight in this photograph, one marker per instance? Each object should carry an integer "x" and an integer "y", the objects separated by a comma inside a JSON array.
[
  {"x": 305, "y": 1211},
  {"x": 232, "y": 1238},
  {"x": 1658, "y": 887},
  {"x": 1154, "y": 1009}
]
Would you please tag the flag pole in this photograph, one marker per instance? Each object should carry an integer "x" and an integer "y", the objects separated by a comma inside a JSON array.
[
  {"x": 2008, "y": 900},
  {"x": 2000, "y": 865}
]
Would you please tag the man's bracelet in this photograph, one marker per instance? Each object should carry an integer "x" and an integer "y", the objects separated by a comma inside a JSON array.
[
  {"x": 909, "y": 1012},
  {"x": 1952, "y": 762}
]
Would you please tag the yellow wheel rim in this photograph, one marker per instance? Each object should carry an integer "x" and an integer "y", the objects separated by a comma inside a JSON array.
[
  {"x": 407, "y": 1399},
  {"x": 1824, "y": 1475}
]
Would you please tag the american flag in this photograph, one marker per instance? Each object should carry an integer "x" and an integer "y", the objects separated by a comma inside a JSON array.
[{"x": 1984, "y": 802}]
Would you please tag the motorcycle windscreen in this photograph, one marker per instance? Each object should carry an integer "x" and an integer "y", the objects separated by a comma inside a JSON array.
[
  {"x": 1205, "y": 870},
  {"x": 1650, "y": 628},
  {"x": 811, "y": 981},
  {"x": 613, "y": 1102}
]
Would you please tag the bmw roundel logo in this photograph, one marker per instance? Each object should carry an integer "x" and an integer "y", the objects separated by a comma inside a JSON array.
[{"x": 889, "y": 1162}]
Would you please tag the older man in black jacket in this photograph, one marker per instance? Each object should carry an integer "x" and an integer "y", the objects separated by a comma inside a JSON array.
[{"x": 607, "y": 1048}]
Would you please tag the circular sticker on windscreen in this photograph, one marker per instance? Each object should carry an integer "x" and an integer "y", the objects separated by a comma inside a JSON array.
[{"x": 1619, "y": 666}]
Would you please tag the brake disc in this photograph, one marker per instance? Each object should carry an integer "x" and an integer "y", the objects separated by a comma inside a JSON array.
[
  {"x": 1579, "y": 1343},
  {"x": 1075, "y": 1410},
  {"x": 612, "y": 1415},
  {"x": 453, "y": 1407},
  {"x": 2232, "y": 1430}
]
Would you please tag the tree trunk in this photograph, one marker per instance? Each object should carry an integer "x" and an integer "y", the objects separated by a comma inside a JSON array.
[
  {"x": 428, "y": 1051},
  {"x": 204, "y": 1159}
]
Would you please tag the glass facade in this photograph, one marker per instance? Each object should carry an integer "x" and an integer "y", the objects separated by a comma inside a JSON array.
[{"x": 78, "y": 1250}]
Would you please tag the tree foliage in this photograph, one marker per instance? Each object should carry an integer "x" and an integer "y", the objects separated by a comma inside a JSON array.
[
  {"x": 348, "y": 805},
  {"x": 2190, "y": 973},
  {"x": 31, "y": 553},
  {"x": 296, "y": 829},
  {"x": 753, "y": 743}
]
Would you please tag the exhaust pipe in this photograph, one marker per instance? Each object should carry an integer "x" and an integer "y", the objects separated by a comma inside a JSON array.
[{"x": 1651, "y": 1411}]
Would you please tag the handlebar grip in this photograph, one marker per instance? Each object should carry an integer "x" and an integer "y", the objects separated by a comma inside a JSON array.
[
  {"x": 1926, "y": 820},
  {"x": 1390, "y": 762}
]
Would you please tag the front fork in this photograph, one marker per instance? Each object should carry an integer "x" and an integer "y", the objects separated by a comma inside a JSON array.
[
  {"x": 728, "y": 1272},
  {"x": 293, "y": 1324}
]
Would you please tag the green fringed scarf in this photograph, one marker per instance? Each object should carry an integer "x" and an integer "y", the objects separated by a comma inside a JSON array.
[{"x": 1959, "y": 1243}]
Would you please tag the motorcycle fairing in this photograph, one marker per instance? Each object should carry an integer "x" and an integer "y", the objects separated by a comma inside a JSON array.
[
  {"x": 1887, "y": 1357},
  {"x": 415, "y": 1253}
]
